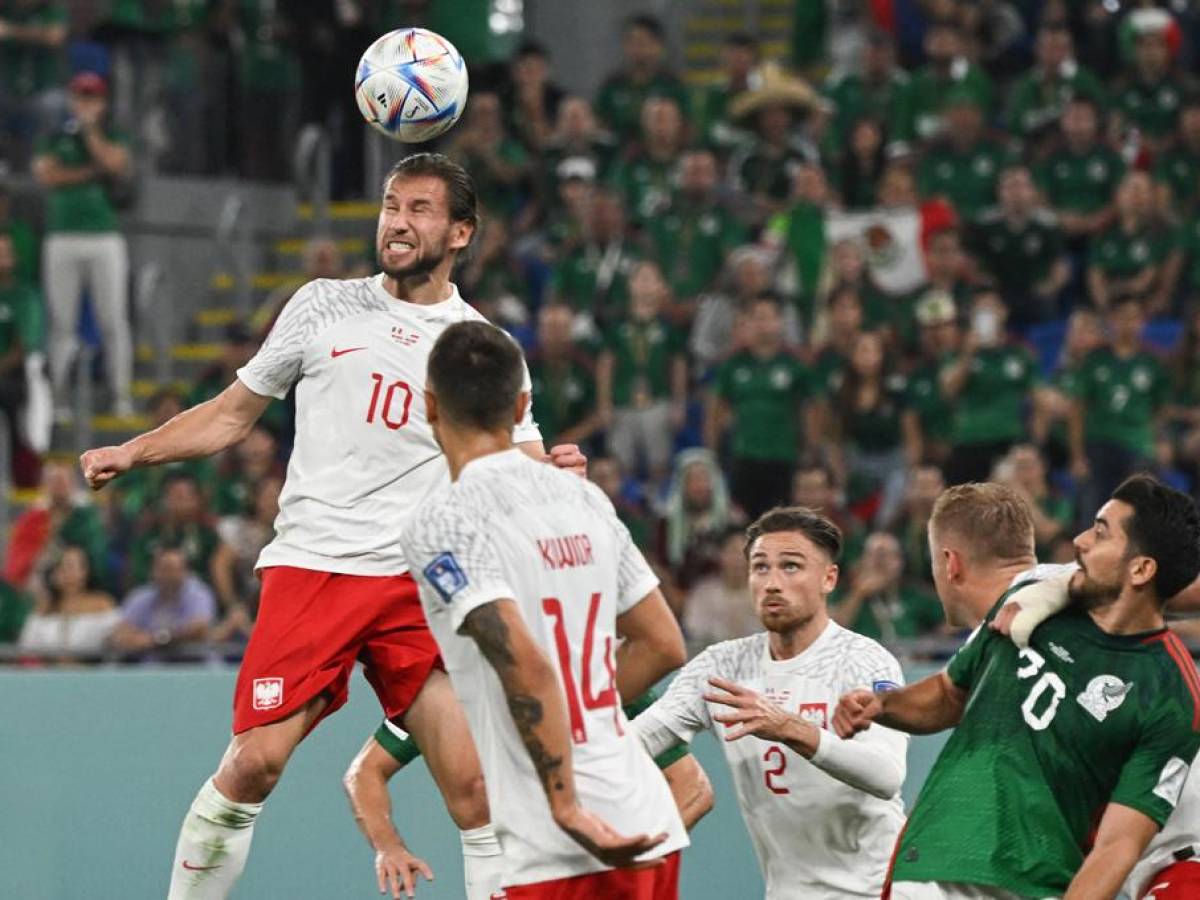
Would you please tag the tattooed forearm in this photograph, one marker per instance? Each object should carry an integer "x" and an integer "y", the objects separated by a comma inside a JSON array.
[
  {"x": 527, "y": 715},
  {"x": 486, "y": 626}
]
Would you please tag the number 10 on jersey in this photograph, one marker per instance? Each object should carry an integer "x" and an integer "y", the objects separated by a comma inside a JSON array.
[{"x": 553, "y": 609}]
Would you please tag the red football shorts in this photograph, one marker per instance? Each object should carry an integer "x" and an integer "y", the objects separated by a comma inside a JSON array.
[
  {"x": 313, "y": 626},
  {"x": 1179, "y": 881},
  {"x": 655, "y": 883}
]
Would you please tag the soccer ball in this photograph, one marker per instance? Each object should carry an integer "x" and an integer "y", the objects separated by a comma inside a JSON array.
[{"x": 411, "y": 85}]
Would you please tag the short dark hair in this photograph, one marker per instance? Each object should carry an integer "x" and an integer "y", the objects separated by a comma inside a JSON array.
[
  {"x": 460, "y": 189},
  {"x": 814, "y": 526},
  {"x": 768, "y": 296},
  {"x": 743, "y": 39},
  {"x": 648, "y": 23},
  {"x": 476, "y": 374},
  {"x": 1164, "y": 525}
]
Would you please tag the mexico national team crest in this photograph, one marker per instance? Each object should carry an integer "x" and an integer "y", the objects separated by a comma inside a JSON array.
[
  {"x": 446, "y": 576},
  {"x": 268, "y": 693},
  {"x": 1104, "y": 693}
]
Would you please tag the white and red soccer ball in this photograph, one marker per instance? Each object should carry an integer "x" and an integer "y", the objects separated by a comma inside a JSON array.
[{"x": 411, "y": 85}]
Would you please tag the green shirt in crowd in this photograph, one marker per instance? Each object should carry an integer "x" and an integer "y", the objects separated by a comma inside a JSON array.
[
  {"x": 967, "y": 179},
  {"x": 1152, "y": 108},
  {"x": 930, "y": 90},
  {"x": 991, "y": 405},
  {"x": 874, "y": 430},
  {"x": 198, "y": 543},
  {"x": 619, "y": 102},
  {"x": 564, "y": 394},
  {"x": 1121, "y": 396},
  {"x": 1037, "y": 102},
  {"x": 594, "y": 279},
  {"x": 643, "y": 353},
  {"x": 1119, "y": 254},
  {"x": 767, "y": 397},
  {"x": 1081, "y": 183},
  {"x": 30, "y": 68},
  {"x": 85, "y": 207},
  {"x": 691, "y": 243},
  {"x": 1058, "y": 508},
  {"x": 1187, "y": 240},
  {"x": 1051, "y": 734},
  {"x": 1179, "y": 170},
  {"x": 909, "y": 612},
  {"x": 14, "y": 610},
  {"x": 887, "y": 102},
  {"x": 646, "y": 185},
  {"x": 925, "y": 398},
  {"x": 801, "y": 231}
]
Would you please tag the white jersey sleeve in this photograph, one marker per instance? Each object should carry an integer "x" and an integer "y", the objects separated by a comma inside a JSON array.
[
  {"x": 682, "y": 711},
  {"x": 459, "y": 560},
  {"x": 635, "y": 578},
  {"x": 279, "y": 361}
]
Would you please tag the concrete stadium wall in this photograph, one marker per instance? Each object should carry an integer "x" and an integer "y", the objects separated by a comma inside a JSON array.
[{"x": 97, "y": 769}]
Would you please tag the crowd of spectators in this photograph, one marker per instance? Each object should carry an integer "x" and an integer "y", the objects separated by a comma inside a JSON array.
[{"x": 970, "y": 255}]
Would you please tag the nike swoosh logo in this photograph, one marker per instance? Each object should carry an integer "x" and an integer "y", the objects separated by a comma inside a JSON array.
[
  {"x": 335, "y": 352},
  {"x": 187, "y": 865}
]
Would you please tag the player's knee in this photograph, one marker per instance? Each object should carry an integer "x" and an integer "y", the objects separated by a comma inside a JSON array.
[
  {"x": 251, "y": 770},
  {"x": 468, "y": 804}
]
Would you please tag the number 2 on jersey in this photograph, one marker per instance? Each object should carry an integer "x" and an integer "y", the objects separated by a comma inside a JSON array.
[
  {"x": 553, "y": 608},
  {"x": 769, "y": 775},
  {"x": 391, "y": 418}
]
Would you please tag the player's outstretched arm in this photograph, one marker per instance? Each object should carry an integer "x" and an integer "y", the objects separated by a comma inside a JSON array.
[
  {"x": 874, "y": 766},
  {"x": 1031, "y": 605},
  {"x": 1121, "y": 839},
  {"x": 930, "y": 705},
  {"x": 366, "y": 783},
  {"x": 536, "y": 703},
  {"x": 652, "y": 647},
  {"x": 202, "y": 430}
]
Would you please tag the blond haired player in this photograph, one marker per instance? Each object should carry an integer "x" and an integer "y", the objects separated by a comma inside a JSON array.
[{"x": 336, "y": 586}]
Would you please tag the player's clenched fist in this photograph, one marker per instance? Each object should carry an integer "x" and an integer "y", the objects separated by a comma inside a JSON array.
[
  {"x": 102, "y": 465},
  {"x": 855, "y": 712}
]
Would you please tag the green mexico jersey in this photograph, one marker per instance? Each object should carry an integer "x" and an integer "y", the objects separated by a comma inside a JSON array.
[
  {"x": 930, "y": 89},
  {"x": 966, "y": 179},
  {"x": 1153, "y": 108},
  {"x": 1187, "y": 239},
  {"x": 643, "y": 352},
  {"x": 77, "y": 207},
  {"x": 1121, "y": 396},
  {"x": 28, "y": 67},
  {"x": 645, "y": 184},
  {"x": 1081, "y": 183},
  {"x": 564, "y": 394},
  {"x": 1119, "y": 254},
  {"x": 887, "y": 101},
  {"x": 619, "y": 103},
  {"x": 1179, "y": 170},
  {"x": 1051, "y": 735},
  {"x": 1017, "y": 256},
  {"x": 925, "y": 398},
  {"x": 595, "y": 279},
  {"x": 991, "y": 405},
  {"x": 766, "y": 396},
  {"x": 404, "y": 749},
  {"x": 691, "y": 244},
  {"x": 1038, "y": 102}
]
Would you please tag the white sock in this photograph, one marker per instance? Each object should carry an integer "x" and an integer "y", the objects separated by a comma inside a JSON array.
[
  {"x": 213, "y": 845},
  {"x": 483, "y": 863}
]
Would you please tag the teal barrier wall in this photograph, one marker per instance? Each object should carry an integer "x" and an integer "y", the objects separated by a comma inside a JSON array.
[{"x": 97, "y": 769}]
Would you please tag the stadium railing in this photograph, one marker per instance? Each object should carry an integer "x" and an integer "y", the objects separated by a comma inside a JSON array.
[{"x": 312, "y": 170}]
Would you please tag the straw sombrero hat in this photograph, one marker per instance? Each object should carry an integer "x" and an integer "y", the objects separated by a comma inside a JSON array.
[{"x": 772, "y": 86}]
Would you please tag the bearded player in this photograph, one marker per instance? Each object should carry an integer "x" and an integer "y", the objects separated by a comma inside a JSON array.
[
  {"x": 336, "y": 587},
  {"x": 1088, "y": 731}
]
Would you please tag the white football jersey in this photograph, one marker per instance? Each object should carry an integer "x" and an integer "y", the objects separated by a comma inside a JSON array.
[
  {"x": 364, "y": 456},
  {"x": 816, "y": 838},
  {"x": 510, "y": 527}
]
